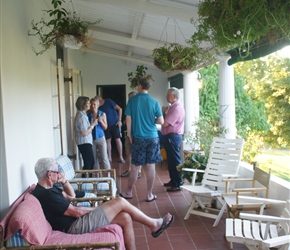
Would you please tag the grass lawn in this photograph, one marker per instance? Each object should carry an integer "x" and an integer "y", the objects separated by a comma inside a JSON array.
[{"x": 278, "y": 161}]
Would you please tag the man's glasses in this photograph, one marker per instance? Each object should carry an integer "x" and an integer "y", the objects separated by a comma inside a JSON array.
[{"x": 52, "y": 171}]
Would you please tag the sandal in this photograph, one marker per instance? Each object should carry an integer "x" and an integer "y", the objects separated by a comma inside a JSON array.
[
  {"x": 139, "y": 175},
  {"x": 125, "y": 174},
  {"x": 163, "y": 227}
]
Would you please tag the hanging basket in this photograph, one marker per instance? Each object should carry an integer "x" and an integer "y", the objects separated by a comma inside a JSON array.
[{"x": 70, "y": 42}]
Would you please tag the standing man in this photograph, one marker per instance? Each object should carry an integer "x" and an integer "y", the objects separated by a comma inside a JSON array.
[
  {"x": 172, "y": 130},
  {"x": 114, "y": 119},
  {"x": 142, "y": 112}
]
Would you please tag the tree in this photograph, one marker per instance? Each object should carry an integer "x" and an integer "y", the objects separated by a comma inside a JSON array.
[{"x": 268, "y": 83}]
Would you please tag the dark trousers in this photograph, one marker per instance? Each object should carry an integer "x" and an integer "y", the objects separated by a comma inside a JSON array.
[
  {"x": 172, "y": 143},
  {"x": 87, "y": 154}
]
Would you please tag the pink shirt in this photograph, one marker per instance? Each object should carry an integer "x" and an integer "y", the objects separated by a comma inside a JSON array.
[{"x": 175, "y": 118}]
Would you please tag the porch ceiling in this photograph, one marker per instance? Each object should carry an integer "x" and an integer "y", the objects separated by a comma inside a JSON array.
[{"x": 131, "y": 29}]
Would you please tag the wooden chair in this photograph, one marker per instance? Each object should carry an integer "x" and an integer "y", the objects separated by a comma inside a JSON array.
[
  {"x": 260, "y": 231},
  {"x": 223, "y": 162},
  {"x": 259, "y": 187}
]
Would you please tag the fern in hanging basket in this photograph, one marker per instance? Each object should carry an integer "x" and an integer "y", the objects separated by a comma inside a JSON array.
[
  {"x": 62, "y": 23},
  {"x": 140, "y": 72},
  {"x": 242, "y": 24},
  {"x": 174, "y": 56}
]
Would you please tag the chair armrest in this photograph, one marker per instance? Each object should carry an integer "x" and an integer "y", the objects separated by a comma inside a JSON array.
[
  {"x": 110, "y": 245},
  {"x": 247, "y": 190},
  {"x": 91, "y": 200},
  {"x": 260, "y": 217},
  {"x": 98, "y": 173},
  {"x": 262, "y": 200},
  {"x": 277, "y": 241}
]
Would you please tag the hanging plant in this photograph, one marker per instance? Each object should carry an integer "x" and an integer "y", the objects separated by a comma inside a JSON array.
[
  {"x": 62, "y": 23},
  {"x": 140, "y": 72},
  {"x": 242, "y": 24},
  {"x": 174, "y": 56}
]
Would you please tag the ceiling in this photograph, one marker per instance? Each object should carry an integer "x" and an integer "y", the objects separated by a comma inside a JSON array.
[{"x": 131, "y": 29}]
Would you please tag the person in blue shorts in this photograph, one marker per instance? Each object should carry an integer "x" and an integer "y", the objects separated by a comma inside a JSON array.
[{"x": 142, "y": 113}]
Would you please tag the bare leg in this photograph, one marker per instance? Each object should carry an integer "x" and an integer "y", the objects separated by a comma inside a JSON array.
[
  {"x": 125, "y": 221},
  {"x": 121, "y": 212},
  {"x": 109, "y": 149},
  {"x": 150, "y": 180},
  {"x": 131, "y": 181},
  {"x": 120, "y": 148}
]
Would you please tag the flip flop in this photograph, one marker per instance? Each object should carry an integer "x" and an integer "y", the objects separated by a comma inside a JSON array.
[
  {"x": 153, "y": 199},
  {"x": 163, "y": 227},
  {"x": 125, "y": 174},
  {"x": 128, "y": 197}
]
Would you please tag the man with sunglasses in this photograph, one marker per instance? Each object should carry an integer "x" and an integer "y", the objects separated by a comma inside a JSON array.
[{"x": 63, "y": 216}]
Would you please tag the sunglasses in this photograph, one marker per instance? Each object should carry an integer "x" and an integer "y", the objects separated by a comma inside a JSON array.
[{"x": 52, "y": 171}]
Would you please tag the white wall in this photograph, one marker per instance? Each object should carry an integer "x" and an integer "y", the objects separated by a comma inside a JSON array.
[
  {"x": 26, "y": 99},
  {"x": 26, "y": 127},
  {"x": 98, "y": 70}
]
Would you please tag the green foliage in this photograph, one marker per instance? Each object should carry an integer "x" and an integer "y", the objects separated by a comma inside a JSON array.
[
  {"x": 268, "y": 83},
  {"x": 244, "y": 24},
  {"x": 62, "y": 23},
  {"x": 140, "y": 72},
  {"x": 193, "y": 161},
  {"x": 205, "y": 130},
  {"x": 174, "y": 56}
]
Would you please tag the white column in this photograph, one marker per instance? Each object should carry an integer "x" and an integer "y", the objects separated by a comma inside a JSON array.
[
  {"x": 227, "y": 113},
  {"x": 191, "y": 99}
]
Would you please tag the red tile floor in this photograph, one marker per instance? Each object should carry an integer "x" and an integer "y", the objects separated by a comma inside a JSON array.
[{"x": 194, "y": 233}]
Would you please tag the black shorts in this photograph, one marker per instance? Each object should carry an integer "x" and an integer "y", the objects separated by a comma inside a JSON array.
[{"x": 113, "y": 132}]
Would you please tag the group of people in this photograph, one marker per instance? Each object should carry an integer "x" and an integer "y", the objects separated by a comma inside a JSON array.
[
  {"x": 94, "y": 128},
  {"x": 97, "y": 121}
]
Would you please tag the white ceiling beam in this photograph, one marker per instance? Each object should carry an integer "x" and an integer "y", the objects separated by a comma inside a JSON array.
[
  {"x": 123, "y": 57},
  {"x": 123, "y": 40},
  {"x": 183, "y": 14}
]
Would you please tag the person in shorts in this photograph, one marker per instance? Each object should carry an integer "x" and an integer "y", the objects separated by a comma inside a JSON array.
[
  {"x": 142, "y": 113},
  {"x": 65, "y": 217},
  {"x": 128, "y": 147}
]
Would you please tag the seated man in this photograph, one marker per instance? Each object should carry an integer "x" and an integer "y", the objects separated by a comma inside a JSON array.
[{"x": 63, "y": 216}]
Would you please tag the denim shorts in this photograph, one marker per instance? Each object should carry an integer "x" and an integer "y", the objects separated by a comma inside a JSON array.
[{"x": 145, "y": 151}]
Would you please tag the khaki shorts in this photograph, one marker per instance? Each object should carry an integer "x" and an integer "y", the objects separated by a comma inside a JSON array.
[{"x": 89, "y": 222}]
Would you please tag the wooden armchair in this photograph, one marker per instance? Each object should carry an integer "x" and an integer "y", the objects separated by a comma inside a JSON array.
[{"x": 259, "y": 187}]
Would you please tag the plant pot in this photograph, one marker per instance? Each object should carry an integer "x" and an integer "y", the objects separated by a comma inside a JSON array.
[{"x": 70, "y": 42}]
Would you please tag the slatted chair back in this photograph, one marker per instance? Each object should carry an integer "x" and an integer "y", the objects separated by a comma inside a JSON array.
[{"x": 224, "y": 159}]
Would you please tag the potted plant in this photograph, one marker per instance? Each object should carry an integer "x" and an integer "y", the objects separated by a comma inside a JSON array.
[
  {"x": 174, "y": 56},
  {"x": 245, "y": 25},
  {"x": 140, "y": 72},
  {"x": 63, "y": 27},
  {"x": 194, "y": 160}
]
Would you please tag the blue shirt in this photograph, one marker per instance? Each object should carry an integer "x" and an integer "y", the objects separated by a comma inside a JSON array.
[
  {"x": 98, "y": 130},
  {"x": 143, "y": 110},
  {"x": 109, "y": 108}
]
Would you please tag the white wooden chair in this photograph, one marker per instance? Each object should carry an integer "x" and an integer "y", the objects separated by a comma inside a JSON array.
[
  {"x": 258, "y": 187},
  {"x": 260, "y": 231},
  {"x": 223, "y": 162}
]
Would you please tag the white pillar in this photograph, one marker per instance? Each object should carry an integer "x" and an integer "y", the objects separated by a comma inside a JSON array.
[
  {"x": 227, "y": 113},
  {"x": 191, "y": 99}
]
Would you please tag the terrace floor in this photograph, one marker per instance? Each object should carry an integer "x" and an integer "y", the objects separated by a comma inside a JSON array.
[{"x": 194, "y": 233}]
